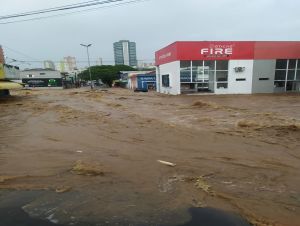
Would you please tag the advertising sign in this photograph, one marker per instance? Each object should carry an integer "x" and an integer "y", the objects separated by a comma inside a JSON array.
[{"x": 43, "y": 82}]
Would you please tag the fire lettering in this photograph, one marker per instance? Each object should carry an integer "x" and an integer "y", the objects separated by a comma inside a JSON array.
[{"x": 216, "y": 51}]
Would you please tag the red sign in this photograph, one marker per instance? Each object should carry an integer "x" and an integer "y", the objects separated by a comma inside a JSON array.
[
  {"x": 167, "y": 54},
  {"x": 227, "y": 50}
]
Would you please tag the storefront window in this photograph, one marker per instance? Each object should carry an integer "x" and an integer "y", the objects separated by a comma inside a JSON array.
[
  {"x": 279, "y": 84},
  {"x": 210, "y": 64},
  {"x": 292, "y": 64},
  {"x": 185, "y": 71},
  {"x": 198, "y": 71},
  {"x": 298, "y": 75},
  {"x": 291, "y": 75},
  {"x": 280, "y": 74},
  {"x": 205, "y": 73},
  {"x": 222, "y": 65},
  {"x": 222, "y": 85},
  {"x": 281, "y": 64},
  {"x": 222, "y": 76},
  {"x": 287, "y": 71}
]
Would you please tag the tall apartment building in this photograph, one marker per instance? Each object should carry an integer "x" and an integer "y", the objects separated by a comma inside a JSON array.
[
  {"x": 70, "y": 63},
  {"x": 125, "y": 53}
]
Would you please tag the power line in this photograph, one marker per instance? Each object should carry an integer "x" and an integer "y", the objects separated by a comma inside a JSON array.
[
  {"x": 18, "y": 52},
  {"x": 121, "y": 3},
  {"x": 61, "y": 8},
  {"x": 36, "y": 11},
  {"x": 79, "y": 11}
]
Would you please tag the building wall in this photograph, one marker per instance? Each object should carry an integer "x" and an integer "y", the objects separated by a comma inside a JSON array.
[
  {"x": 70, "y": 63},
  {"x": 118, "y": 53},
  {"x": 125, "y": 46},
  {"x": 40, "y": 74},
  {"x": 11, "y": 72},
  {"x": 144, "y": 80},
  {"x": 238, "y": 87},
  {"x": 173, "y": 70},
  {"x": 263, "y": 69},
  {"x": 132, "y": 54},
  {"x": 42, "y": 78}
]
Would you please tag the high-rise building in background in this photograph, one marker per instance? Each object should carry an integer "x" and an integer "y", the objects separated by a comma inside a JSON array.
[
  {"x": 61, "y": 66},
  {"x": 48, "y": 64},
  {"x": 125, "y": 53},
  {"x": 70, "y": 63},
  {"x": 99, "y": 62}
]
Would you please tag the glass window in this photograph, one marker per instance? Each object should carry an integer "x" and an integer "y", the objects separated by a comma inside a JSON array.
[
  {"x": 165, "y": 80},
  {"x": 222, "y": 85},
  {"x": 290, "y": 86},
  {"x": 292, "y": 64},
  {"x": 298, "y": 75},
  {"x": 279, "y": 84},
  {"x": 222, "y": 65},
  {"x": 185, "y": 71},
  {"x": 198, "y": 71},
  {"x": 221, "y": 76},
  {"x": 240, "y": 79},
  {"x": 281, "y": 64},
  {"x": 280, "y": 74},
  {"x": 291, "y": 75},
  {"x": 211, "y": 76},
  {"x": 210, "y": 64}
]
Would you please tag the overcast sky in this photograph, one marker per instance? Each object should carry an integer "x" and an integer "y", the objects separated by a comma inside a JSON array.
[{"x": 151, "y": 24}]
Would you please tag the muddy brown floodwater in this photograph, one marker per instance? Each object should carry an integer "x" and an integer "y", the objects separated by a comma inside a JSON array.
[{"x": 91, "y": 156}]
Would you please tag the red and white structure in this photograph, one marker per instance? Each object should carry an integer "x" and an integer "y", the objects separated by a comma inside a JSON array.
[{"x": 228, "y": 67}]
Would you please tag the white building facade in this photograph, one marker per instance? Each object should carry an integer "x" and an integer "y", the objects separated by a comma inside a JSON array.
[
  {"x": 228, "y": 67},
  {"x": 42, "y": 78}
]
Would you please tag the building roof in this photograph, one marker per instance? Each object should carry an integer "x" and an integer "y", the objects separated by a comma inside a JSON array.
[
  {"x": 39, "y": 69},
  {"x": 228, "y": 50}
]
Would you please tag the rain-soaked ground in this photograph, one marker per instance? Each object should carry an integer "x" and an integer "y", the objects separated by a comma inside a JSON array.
[
  {"x": 13, "y": 214},
  {"x": 81, "y": 157}
]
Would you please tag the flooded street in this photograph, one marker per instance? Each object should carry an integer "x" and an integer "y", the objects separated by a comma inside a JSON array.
[{"x": 81, "y": 157}]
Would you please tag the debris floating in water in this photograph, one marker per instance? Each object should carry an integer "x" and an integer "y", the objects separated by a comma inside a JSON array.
[{"x": 167, "y": 163}]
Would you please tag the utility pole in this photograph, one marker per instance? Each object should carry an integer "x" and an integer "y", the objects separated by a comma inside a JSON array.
[{"x": 88, "y": 56}]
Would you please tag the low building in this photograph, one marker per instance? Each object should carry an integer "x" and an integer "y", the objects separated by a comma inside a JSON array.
[
  {"x": 124, "y": 77},
  {"x": 42, "y": 78},
  {"x": 144, "y": 81},
  {"x": 228, "y": 67}
]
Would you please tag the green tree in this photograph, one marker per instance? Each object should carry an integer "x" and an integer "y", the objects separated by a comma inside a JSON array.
[{"x": 107, "y": 73}]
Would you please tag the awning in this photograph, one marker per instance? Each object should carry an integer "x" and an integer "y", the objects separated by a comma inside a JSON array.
[{"x": 10, "y": 85}]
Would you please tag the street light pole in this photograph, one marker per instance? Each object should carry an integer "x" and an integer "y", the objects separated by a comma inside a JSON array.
[{"x": 88, "y": 56}]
